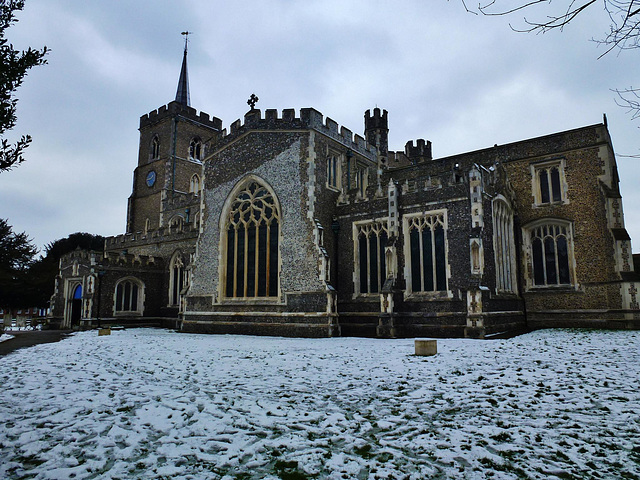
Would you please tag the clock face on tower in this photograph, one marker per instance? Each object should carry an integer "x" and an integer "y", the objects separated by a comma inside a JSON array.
[{"x": 151, "y": 178}]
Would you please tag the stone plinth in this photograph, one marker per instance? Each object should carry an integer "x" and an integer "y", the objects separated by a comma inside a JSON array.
[{"x": 426, "y": 348}]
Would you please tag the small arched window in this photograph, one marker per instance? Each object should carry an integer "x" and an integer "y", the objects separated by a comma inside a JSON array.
[
  {"x": 194, "y": 186},
  {"x": 155, "y": 148},
  {"x": 195, "y": 149},
  {"x": 176, "y": 223},
  {"x": 128, "y": 296}
]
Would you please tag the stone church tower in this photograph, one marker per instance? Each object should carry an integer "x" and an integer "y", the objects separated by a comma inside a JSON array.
[{"x": 173, "y": 141}]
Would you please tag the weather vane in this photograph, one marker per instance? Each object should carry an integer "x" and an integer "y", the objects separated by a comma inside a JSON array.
[
  {"x": 186, "y": 38},
  {"x": 253, "y": 99}
]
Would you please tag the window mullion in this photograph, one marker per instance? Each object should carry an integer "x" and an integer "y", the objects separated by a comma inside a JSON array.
[
  {"x": 378, "y": 269},
  {"x": 235, "y": 262},
  {"x": 257, "y": 248},
  {"x": 434, "y": 260},
  {"x": 368, "y": 262},
  {"x": 420, "y": 246},
  {"x": 245, "y": 269}
]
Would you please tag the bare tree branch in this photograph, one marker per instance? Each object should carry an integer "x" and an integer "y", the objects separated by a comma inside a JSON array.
[{"x": 623, "y": 32}]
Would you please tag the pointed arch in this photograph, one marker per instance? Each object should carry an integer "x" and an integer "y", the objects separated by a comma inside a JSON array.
[
  {"x": 177, "y": 278},
  {"x": 194, "y": 184},
  {"x": 549, "y": 244},
  {"x": 155, "y": 147},
  {"x": 504, "y": 246},
  {"x": 195, "y": 149},
  {"x": 176, "y": 223},
  {"x": 250, "y": 241}
]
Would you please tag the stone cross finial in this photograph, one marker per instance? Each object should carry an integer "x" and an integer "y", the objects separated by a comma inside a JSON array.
[{"x": 253, "y": 99}]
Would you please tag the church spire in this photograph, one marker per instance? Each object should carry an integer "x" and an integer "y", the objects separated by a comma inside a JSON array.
[{"x": 182, "y": 95}]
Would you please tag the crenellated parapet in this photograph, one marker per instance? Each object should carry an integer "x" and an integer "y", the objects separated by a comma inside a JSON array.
[
  {"x": 419, "y": 152},
  {"x": 175, "y": 108},
  {"x": 123, "y": 259},
  {"x": 86, "y": 257},
  {"x": 174, "y": 233},
  {"x": 309, "y": 119}
]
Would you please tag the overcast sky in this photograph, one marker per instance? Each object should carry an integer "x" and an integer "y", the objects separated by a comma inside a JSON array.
[{"x": 463, "y": 81}]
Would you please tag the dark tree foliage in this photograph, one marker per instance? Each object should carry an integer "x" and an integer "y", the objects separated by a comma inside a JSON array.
[
  {"x": 42, "y": 272},
  {"x": 14, "y": 65},
  {"x": 621, "y": 33},
  {"x": 16, "y": 256}
]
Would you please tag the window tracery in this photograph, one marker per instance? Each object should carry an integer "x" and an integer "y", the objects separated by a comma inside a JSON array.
[
  {"x": 195, "y": 149},
  {"x": 425, "y": 245},
  {"x": 504, "y": 246},
  {"x": 371, "y": 240},
  {"x": 128, "y": 296},
  {"x": 252, "y": 244},
  {"x": 551, "y": 253}
]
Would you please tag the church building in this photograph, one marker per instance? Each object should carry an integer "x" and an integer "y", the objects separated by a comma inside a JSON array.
[{"x": 285, "y": 223}]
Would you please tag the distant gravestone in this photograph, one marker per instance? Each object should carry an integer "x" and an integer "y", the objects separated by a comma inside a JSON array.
[{"x": 425, "y": 348}]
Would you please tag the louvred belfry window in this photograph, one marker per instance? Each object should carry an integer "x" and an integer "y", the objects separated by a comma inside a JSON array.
[{"x": 252, "y": 244}]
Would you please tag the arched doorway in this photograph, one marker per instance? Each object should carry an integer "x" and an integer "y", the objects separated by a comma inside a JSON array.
[{"x": 76, "y": 305}]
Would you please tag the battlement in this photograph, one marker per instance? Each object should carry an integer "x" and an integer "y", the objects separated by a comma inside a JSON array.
[
  {"x": 175, "y": 108},
  {"x": 418, "y": 153},
  {"x": 378, "y": 120},
  {"x": 130, "y": 260},
  {"x": 163, "y": 234},
  {"x": 309, "y": 119},
  {"x": 85, "y": 256}
]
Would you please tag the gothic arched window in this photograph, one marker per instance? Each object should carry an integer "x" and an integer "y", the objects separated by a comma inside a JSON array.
[
  {"x": 128, "y": 296},
  {"x": 195, "y": 149},
  {"x": 370, "y": 245},
  {"x": 177, "y": 279},
  {"x": 194, "y": 185},
  {"x": 504, "y": 246},
  {"x": 551, "y": 253},
  {"x": 252, "y": 243},
  {"x": 155, "y": 148},
  {"x": 176, "y": 223},
  {"x": 425, "y": 245}
]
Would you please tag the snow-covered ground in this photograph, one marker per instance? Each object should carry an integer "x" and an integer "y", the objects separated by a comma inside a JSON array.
[
  {"x": 5, "y": 336},
  {"x": 157, "y": 404}
]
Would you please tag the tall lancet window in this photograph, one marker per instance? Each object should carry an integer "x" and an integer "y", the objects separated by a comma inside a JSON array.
[
  {"x": 371, "y": 240},
  {"x": 426, "y": 251},
  {"x": 252, "y": 244},
  {"x": 177, "y": 278},
  {"x": 504, "y": 246}
]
